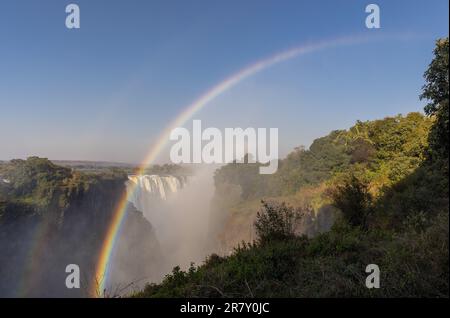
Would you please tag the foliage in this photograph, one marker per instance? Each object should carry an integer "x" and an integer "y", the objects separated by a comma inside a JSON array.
[
  {"x": 436, "y": 91},
  {"x": 276, "y": 221},
  {"x": 39, "y": 182},
  {"x": 66, "y": 209},
  {"x": 385, "y": 150},
  {"x": 329, "y": 265},
  {"x": 354, "y": 200},
  {"x": 392, "y": 190}
]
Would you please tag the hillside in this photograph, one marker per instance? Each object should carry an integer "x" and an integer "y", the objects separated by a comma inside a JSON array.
[
  {"x": 376, "y": 193},
  {"x": 51, "y": 216}
]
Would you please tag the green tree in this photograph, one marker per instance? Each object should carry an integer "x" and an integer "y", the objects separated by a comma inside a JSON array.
[
  {"x": 354, "y": 200},
  {"x": 436, "y": 92},
  {"x": 276, "y": 221}
]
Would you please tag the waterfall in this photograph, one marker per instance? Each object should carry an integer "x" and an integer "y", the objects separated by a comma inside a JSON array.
[
  {"x": 150, "y": 194},
  {"x": 178, "y": 210},
  {"x": 154, "y": 186}
]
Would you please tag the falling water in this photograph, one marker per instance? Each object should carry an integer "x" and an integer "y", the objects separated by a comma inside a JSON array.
[
  {"x": 178, "y": 210},
  {"x": 153, "y": 185}
]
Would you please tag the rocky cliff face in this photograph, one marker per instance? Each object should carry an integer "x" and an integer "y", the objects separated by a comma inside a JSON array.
[
  {"x": 138, "y": 258},
  {"x": 38, "y": 241}
]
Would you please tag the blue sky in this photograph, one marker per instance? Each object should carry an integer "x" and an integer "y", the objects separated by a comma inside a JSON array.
[{"x": 105, "y": 91}]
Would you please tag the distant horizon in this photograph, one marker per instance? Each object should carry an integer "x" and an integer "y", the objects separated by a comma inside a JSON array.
[{"x": 136, "y": 164}]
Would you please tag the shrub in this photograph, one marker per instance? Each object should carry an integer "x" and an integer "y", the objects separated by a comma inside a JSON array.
[
  {"x": 276, "y": 221},
  {"x": 354, "y": 200}
]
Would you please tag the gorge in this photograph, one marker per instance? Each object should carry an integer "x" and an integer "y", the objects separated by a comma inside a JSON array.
[{"x": 177, "y": 208}]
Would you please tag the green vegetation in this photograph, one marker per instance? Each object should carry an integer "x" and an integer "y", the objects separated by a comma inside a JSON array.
[
  {"x": 389, "y": 180},
  {"x": 354, "y": 200},
  {"x": 330, "y": 265},
  {"x": 276, "y": 222},
  {"x": 42, "y": 185},
  {"x": 382, "y": 151},
  {"x": 66, "y": 213},
  {"x": 436, "y": 92}
]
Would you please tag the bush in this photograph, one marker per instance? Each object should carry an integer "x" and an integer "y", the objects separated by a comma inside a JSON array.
[
  {"x": 354, "y": 200},
  {"x": 276, "y": 221}
]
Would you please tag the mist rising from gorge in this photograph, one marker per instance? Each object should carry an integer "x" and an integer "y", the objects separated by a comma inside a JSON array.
[{"x": 178, "y": 211}]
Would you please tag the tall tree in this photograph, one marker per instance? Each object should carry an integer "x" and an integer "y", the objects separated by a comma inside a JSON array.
[{"x": 436, "y": 92}]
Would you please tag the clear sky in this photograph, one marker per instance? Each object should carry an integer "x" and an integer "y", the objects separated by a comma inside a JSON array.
[{"x": 106, "y": 90}]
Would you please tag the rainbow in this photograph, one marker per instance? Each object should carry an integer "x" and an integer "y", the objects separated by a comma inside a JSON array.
[{"x": 103, "y": 264}]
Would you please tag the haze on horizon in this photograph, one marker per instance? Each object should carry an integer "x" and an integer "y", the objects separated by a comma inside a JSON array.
[{"x": 104, "y": 92}]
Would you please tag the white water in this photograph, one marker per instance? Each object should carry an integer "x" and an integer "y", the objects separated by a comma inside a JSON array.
[
  {"x": 158, "y": 186},
  {"x": 178, "y": 209},
  {"x": 150, "y": 194}
]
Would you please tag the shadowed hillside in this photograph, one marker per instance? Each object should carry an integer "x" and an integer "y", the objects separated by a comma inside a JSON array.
[
  {"x": 51, "y": 216},
  {"x": 387, "y": 181}
]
